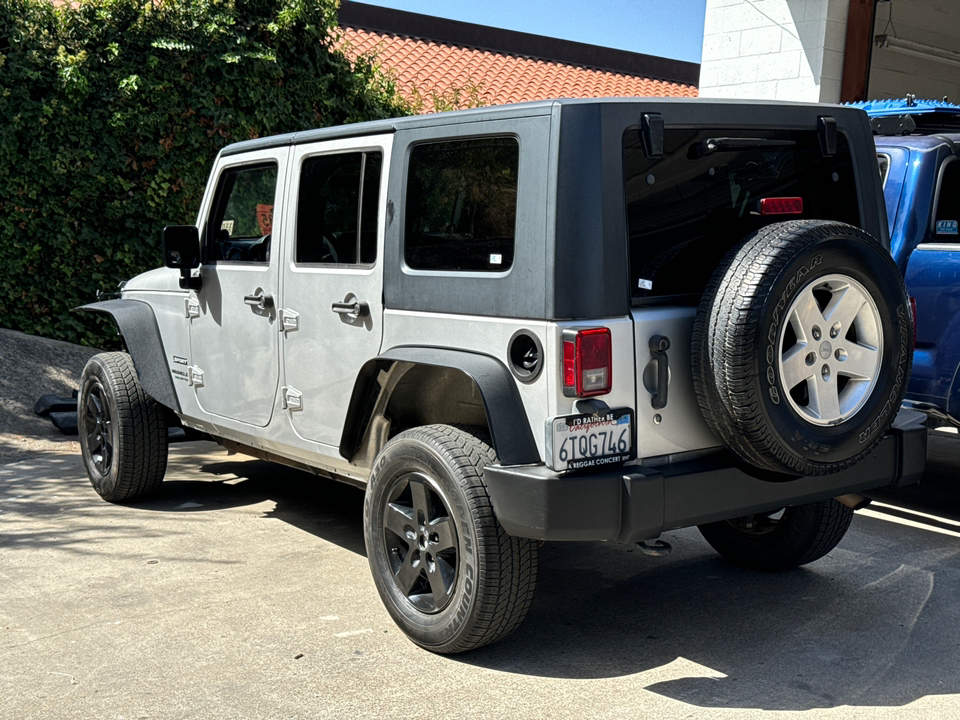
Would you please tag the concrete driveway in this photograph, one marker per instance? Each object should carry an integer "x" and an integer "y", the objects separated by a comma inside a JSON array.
[{"x": 242, "y": 591}]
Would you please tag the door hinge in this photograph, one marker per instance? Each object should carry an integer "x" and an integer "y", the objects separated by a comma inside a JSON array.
[
  {"x": 196, "y": 376},
  {"x": 289, "y": 320},
  {"x": 191, "y": 307},
  {"x": 292, "y": 399}
]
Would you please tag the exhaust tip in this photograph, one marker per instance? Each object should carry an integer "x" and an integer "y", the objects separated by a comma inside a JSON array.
[{"x": 854, "y": 501}]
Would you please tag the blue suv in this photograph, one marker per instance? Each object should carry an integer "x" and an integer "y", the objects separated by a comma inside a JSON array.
[{"x": 918, "y": 148}]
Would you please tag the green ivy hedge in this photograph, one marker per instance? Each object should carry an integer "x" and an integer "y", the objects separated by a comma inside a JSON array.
[{"x": 111, "y": 114}]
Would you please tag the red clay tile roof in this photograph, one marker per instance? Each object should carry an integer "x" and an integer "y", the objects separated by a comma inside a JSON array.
[{"x": 431, "y": 67}]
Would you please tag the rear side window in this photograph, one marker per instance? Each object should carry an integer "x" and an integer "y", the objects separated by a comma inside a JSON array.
[
  {"x": 948, "y": 203},
  {"x": 686, "y": 209},
  {"x": 337, "y": 209},
  {"x": 461, "y": 205},
  {"x": 241, "y": 223}
]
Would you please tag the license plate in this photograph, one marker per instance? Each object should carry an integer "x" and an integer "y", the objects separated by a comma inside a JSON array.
[{"x": 590, "y": 440}]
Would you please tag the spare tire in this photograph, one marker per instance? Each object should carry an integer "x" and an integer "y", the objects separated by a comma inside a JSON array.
[{"x": 802, "y": 347}]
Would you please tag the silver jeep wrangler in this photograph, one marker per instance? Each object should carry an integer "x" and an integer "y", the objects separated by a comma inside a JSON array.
[{"x": 567, "y": 320}]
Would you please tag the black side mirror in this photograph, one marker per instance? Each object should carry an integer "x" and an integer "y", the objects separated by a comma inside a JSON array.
[{"x": 181, "y": 251}]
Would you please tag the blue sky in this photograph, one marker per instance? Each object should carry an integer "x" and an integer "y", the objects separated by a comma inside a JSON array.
[{"x": 667, "y": 28}]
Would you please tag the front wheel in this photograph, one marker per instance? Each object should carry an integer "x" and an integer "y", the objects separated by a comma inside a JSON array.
[
  {"x": 123, "y": 433},
  {"x": 780, "y": 539},
  {"x": 448, "y": 574}
]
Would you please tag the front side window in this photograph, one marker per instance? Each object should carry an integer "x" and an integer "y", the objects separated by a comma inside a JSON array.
[
  {"x": 337, "y": 209},
  {"x": 461, "y": 205},
  {"x": 241, "y": 223}
]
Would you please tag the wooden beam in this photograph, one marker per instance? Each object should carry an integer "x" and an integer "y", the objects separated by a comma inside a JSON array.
[{"x": 857, "y": 51}]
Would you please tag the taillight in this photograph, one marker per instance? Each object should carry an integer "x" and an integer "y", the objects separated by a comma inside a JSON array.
[
  {"x": 781, "y": 206},
  {"x": 587, "y": 362}
]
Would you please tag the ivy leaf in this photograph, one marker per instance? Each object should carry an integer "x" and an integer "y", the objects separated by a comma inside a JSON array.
[{"x": 115, "y": 110}]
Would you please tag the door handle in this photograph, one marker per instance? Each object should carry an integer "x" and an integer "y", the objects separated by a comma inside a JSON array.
[
  {"x": 260, "y": 301},
  {"x": 658, "y": 351},
  {"x": 355, "y": 309}
]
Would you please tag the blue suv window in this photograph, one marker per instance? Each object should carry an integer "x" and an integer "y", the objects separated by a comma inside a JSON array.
[{"x": 948, "y": 203}]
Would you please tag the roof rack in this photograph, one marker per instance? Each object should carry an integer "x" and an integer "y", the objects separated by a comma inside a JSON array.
[{"x": 911, "y": 116}]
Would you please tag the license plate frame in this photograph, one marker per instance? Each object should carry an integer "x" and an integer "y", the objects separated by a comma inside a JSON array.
[{"x": 590, "y": 440}]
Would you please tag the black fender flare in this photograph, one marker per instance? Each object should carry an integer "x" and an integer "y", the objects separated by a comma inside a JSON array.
[
  {"x": 509, "y": 426},
  {"x": 137, "y": 324}
]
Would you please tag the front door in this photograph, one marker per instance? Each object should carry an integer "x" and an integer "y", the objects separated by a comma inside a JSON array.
[
  {"x": 233, "y": 327},
  {"x": 332, "y": 279}
]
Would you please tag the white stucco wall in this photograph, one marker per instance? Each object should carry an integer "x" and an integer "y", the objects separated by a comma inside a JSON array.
[{"x": 774, "y": 49}]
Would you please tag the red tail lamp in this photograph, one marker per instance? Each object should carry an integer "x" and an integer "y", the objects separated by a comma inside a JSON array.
[{"x": 587, "y": 362}]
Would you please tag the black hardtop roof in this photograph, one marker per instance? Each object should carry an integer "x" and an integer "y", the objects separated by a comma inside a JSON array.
[{"x": 502, "y": 112}]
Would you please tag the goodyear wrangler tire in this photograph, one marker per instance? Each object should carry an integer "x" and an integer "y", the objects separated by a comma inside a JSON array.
[
  {"x": 448, "y": 574},
  {"x": 802, "y": 347},
  {"x": 123, "y": 431}
]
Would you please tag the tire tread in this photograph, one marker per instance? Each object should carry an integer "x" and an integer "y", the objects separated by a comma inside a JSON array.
[
  {"x": 724, "y": 351},
  {"x": 141, "y": 452}
]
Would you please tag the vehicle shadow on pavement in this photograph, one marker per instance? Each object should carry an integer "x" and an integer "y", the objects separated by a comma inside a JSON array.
[
  {"x": 326, "y": 508},
  {"x": 862, "y": 627},
  {"x": 872, "y": 624},
  {"x": 875, "y": 623}
]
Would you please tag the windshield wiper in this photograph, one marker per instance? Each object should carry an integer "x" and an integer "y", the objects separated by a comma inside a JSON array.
[{"x": 726, "y": 144}]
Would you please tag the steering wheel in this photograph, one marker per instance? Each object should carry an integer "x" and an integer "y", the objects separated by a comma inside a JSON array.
[{"x": 331, "y": 251}]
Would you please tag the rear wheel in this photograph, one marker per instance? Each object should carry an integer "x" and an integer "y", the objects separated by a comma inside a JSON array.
[
  {"x": 448, "y": 574},
  {"x": 780, "y": 539},
  {"x": 123, "y": 431}
]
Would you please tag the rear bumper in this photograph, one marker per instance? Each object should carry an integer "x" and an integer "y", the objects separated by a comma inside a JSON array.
[{"x": 633, "y": 503}]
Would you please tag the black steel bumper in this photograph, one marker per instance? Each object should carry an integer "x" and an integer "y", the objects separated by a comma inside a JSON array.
[{"x": 633, "y": 503}]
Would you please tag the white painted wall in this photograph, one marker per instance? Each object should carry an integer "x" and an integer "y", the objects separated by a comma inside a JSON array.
[{"x": 774, "y": 49}]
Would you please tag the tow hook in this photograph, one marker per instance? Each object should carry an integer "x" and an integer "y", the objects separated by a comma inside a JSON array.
[{"x": 654, "y": 548}]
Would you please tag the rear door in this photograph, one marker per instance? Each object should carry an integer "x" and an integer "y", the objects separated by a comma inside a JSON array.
[{"x": 331, "y": 316}]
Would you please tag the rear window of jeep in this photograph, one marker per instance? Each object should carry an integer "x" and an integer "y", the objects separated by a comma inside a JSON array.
[
  {"x": 461, "y": 205},
  {"x": 686, "y": 209}
]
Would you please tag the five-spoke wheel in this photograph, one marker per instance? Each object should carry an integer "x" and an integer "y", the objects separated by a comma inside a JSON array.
[
  {"x": 100, "y": 429},
  {"x": 421, "y": 541},
  {"x": 831, "y": 347}
]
